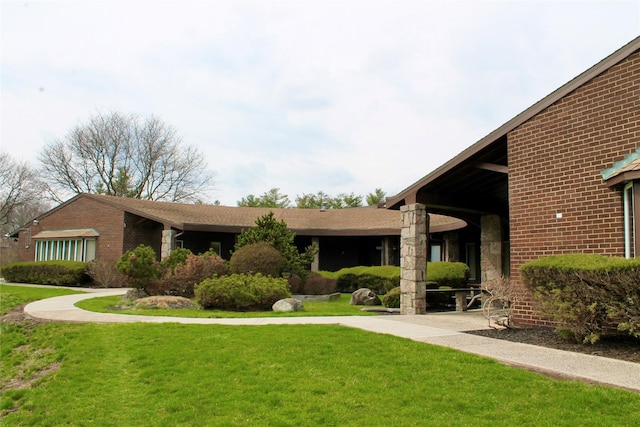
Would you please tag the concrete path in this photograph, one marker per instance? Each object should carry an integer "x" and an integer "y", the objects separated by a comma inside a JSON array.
[{"x": 443, "y": 329}]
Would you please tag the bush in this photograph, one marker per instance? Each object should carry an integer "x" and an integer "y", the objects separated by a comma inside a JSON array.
[
  {"x": 59, "y": 273},
  {"x": 392, "y": 298},
  {"x": 176, "y": 257},
  {"x": 258, "y": 258},
  {"x": 140, "y": 267},
  {"x": 314, "y": 284},
  {"x": 453, "y": 274},
  {"x": 182, "y": 279},
  {"x": 241, "y": 292},
  {"x": 583, "y": 293},
  {"x": 104, "y": 274}
]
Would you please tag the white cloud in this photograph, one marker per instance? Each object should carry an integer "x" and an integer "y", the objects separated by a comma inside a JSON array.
[{"x": 306, "y": 95}]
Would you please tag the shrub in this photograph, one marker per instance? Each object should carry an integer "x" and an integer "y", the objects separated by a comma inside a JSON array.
[
  {"x": 274, "y": 232},
  {"x": 182, "y": 279},
  {"x": 60, "y": 273},
  {"x": 176, "y": 257},
  {"x": 104, "y": 274},
  {"x": 241, "y": 292},
  {"x": 583, "y": 292},
  {"x": 380, "y": 285},
  {"x": 392, "y": 298},
  {"x": 140, "y": 266},
  {"x": 453, "y": 274},
  {"x": 315, "y": 284},
  {"x": 258, "y": 258}
]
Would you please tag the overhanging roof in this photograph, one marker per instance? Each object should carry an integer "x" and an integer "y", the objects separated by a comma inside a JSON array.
[
  {"x": 66, "y": 234},
  {"x": 362, "y": 221},
  {"x": 469, "y": 156}
]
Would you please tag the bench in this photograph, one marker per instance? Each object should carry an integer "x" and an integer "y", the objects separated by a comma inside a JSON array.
[{"x": 461, "y": 296}]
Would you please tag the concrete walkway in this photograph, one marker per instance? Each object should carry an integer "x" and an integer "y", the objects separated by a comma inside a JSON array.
[{"x": 443, "y": 329}]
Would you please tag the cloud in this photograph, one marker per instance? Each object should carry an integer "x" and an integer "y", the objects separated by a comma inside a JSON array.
[{"x": 306, "y": 96}]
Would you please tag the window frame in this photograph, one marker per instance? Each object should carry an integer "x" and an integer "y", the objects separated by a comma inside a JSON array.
[{"x": 631, "y": 209}]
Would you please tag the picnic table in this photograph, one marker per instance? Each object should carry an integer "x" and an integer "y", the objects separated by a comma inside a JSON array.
[{"x": 461, "y": 295}]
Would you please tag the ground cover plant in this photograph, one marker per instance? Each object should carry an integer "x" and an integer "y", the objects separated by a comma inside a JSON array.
[{"x": 112, "y": 304}]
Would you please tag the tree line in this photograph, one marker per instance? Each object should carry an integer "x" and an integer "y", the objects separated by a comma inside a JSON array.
[{"x": 127, "y": 155}]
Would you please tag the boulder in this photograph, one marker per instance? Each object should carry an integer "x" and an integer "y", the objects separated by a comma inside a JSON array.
[
  {"x": 165, "y": 301},
  {"x": 134, "y": 294},
  {"x": 288, "y": 304},
  {"x": 364, "y": 296}
]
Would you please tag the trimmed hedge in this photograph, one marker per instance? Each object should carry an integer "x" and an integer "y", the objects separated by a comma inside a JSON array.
[
  {"x": 453, "y": 274},
  {"x": 585, "y": 293},
  {"x": 241, "y": 292},
  {"x": 392, "y": 298},
  {"x": 382, "y": 279},
  {"x": 59, "y": 273},
  {"x": 258, "y": 258}
]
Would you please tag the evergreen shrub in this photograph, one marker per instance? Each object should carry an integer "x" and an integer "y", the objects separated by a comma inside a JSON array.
[
  {"x": 241, "y": 292},
  {"x": 586, "y": 293},
  {"x": 140, "y": 266},
  {"x": 59, "y": 273},
  {"x": 392, "y": 298},
  {"x": 258, "y": 258}
]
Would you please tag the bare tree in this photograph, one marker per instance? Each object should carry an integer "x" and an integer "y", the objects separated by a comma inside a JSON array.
[
  {"x": 127, "y": 156},
  {"x": 20, "y": 194}
]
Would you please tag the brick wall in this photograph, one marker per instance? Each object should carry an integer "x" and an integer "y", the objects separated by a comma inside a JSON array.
[
  {"x": 142, "y": 231},
  {"x": 555, "y": 160},
  {"x": 82, "y": 213}
]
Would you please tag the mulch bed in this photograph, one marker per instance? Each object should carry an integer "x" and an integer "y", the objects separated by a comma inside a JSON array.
[{"x": 615, "y": 347}]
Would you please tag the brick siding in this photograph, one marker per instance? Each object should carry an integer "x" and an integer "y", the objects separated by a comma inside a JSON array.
[
  {"x": 555, "y": 160},
  {"x": 82, "y": 213}
]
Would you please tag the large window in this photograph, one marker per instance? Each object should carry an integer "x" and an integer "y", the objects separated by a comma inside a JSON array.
[
  {"x": 630, "y": 219},
  {"x": 66, "y": 249}
]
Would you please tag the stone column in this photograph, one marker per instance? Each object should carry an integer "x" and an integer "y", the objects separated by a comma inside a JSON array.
[
  {"x": 167, "y": 243},
  {"x": 413, "y": 259},
  {"x": 315, "y": 265},
  {"x": 490, "y": 248}
]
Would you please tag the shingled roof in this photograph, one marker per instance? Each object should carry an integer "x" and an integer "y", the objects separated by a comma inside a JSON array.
[{"x": 362, "y": 221}]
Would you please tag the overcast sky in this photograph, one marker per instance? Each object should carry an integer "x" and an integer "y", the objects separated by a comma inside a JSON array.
[{"x": 307, "y": 96}]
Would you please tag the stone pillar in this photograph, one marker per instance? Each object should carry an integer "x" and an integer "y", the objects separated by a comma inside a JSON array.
[
  {"x": 167, "y": 243},
  {"x": 451, "y": 247},
  {"x": 315, "y": 265},
  {"x": 413, "y": 259},
  {"x": 490, "y": 248}
]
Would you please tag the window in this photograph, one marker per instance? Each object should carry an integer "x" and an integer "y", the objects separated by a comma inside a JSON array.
[
  {"x": 66, "y": 250},
  {"x": 216, "y": 247},
  {"x": 436, "y": 253},
  {"x": 629, "y": 222}
]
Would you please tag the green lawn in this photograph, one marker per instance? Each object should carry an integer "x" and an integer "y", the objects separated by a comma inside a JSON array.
[
  {"x": 289, "y": 375},
  {"x": 11, "y": 296},
  {"x": 340, "y": 307}
]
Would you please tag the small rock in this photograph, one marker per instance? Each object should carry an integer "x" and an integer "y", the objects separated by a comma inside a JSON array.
[
  {"x": 288, "y": 304},
  {"x": 364, "y": 296},
  {"x": 134, "y": 294}
]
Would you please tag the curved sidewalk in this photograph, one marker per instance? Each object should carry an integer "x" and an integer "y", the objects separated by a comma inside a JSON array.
[{"x": 446, "y": 329}]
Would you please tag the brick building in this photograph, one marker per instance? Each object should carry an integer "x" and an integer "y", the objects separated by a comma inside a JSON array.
[
  {"x": 91, "y": 226},
  {"x": 558, "y": 178}
]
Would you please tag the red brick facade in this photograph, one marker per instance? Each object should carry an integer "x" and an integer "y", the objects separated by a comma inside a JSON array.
[
  {"x": 555, "y": 163},
  {"x": 82, "y": 213}
]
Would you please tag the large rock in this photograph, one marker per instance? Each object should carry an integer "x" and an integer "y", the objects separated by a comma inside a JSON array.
[
  {"x": 165, "y": 301},
  {"x": 288, "y": 304},
  {"x": 364, "y": 296}
]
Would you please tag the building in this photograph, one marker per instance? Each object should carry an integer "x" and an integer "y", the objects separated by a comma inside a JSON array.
[
  {"x": 561, "y": 177},
  {"x": 91, "y": 226}
]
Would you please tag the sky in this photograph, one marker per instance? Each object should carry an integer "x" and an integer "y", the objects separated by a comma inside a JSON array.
[{"x": 305, "y": 96}]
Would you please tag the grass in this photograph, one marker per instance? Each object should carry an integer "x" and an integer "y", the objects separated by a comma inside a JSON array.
[
  {"x": 340, "y": 307},
  {"x": 11, "y": 296},
  {"x": 288, "y": 375}
]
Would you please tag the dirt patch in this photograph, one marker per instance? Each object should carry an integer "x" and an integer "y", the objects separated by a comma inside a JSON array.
[
  {"x": 615, "y": 347},
  {"x": 17, "y": 316}
]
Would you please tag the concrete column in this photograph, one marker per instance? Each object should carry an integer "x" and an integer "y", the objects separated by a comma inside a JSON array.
[
  {"x": 167, "y": 243},
  {"x": 315, "y": 265},
  {"x": 385, "y": 255},
  {"x": 490, "y": 248},
  {"x": 413, "y": 259}
]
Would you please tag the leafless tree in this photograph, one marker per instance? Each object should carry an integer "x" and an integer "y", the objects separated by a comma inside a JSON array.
[
  {"x": 127, "y": 156},
  {"x": 20, "y": 194}
]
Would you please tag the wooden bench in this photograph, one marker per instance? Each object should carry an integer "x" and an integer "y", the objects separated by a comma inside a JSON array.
[{"x": 461, "y": 295}]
